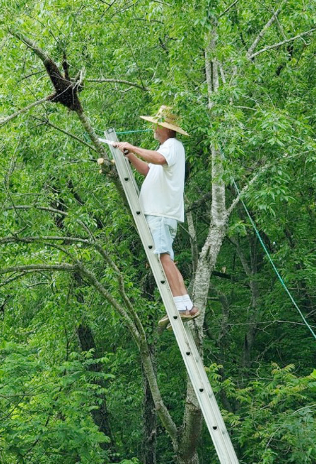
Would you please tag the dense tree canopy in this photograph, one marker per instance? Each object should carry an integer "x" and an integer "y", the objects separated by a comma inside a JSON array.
[{"x": 85, "y": 376}]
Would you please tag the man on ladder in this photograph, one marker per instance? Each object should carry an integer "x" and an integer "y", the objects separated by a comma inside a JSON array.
[{"x": 161, "y": 198}]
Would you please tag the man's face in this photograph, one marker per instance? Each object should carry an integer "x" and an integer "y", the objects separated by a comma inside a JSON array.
[{"x": 160, "y": 132}]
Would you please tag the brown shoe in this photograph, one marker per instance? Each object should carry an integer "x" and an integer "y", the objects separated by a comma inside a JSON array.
[
  {"x": 185, "y": 315},
  {"x": 163, "y": 322},
  {"x": 195, "y": 312}
]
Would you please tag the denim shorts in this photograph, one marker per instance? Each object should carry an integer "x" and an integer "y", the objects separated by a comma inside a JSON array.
[{"x": 163, "y": 230}]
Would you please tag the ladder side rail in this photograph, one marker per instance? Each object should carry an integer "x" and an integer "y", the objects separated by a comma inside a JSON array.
[
  {"x": 189, "y": 352},
  {"x": 210, "y": 400}
]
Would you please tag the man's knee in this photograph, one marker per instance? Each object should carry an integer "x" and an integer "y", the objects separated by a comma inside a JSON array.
[{"x": 164, "y": 257}]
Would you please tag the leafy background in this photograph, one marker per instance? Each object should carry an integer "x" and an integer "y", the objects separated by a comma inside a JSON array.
[{"x": 67, "y": 358}]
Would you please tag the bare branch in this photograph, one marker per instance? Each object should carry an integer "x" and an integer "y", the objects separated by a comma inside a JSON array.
[
  {"x": 11, "y": 279},
  {"x": 245, "y": 188},
  {"x": 41, "y": 208},
  {"x": 100, "y": 148},
  {"x": 45, "y": 238},
  {"x": 23, "y": 110},
  {"x": 118, "y": 81},
  {"x": 103, "y": 253},
  {"x": 39, "y": 267},
  {"x": 270, "y": 47},
  {"x": 31, "y": 44},
  {"x": 32, "y": 74},
  {"x": 193, "y": 240},
  {"x": 121, "y": 283},
  {"x": 228, "y": 8},
  {"x": 262, "y": 32},
  {"x": 48, "y": 123},
  {"x": 240, "y": 194},
  {"x": 101, "y": 289},
  {"x": 50, "y": 210}
]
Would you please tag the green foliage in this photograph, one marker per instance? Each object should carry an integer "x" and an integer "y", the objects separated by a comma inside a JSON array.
[
  {"x": 45, "y": 408},
  {"x": 262, "y": 119},
  {"x": 275, "y": 421}
]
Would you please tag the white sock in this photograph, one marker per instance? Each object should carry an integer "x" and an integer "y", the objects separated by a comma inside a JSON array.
[
  {"x": 187, "y": 302},
  {"x": 178, "y": 301}
]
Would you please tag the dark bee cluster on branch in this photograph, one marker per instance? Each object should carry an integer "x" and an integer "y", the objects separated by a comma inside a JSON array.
[{"x": 66, "y": 88}]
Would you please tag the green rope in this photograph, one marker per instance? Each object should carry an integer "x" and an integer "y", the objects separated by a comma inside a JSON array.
[
  {"x": 134, "y": 131},
  {"x": 127, "y": 132},
  {"x": 272, "y": 263}
]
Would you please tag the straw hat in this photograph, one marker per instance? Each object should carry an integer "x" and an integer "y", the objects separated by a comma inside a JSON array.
[{"x": 165, "y": 118}]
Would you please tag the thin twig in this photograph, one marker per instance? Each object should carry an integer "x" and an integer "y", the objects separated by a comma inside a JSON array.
[
  {"x": 228, "y": 8},
  {"x": 32, "y": 74},
  {"x": 262, "y": 32},
  {"x": 118, "y": 81},
  {"x": 39, "y": 267},
  {"x": 48, "y": 123},
  {"x": 270, "y": 47},
  {"x": 23, "y": 110},
  {"x": 11, "y": 279},
  {"x": 246, "y": 187}
]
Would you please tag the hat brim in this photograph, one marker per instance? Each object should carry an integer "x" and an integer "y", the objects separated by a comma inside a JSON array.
[{"x": 165, "y": 124}]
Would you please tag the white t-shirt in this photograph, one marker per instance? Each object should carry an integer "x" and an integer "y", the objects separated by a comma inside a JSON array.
[{"x": 162, "y": 190}]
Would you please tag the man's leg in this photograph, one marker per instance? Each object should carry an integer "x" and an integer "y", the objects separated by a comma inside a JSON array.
[
  {"x": 173, "y": 275},
  {"x": 163, "y": 231},
  {"x": 180, "y": 294}
]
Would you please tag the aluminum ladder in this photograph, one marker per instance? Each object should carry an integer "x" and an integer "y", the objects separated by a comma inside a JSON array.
[{"x": 184, "y": 338}]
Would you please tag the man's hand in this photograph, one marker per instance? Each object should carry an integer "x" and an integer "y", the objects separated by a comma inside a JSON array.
[{"x": 125, "y": 147}]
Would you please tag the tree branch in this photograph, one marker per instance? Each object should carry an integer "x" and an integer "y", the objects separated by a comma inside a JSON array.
[
  {"x": 44, "y": 238},
  {"x": 72, "y": 268},
  {"x": 39, "y": 267},
  {"x": 228, "y": 8},
  {"x": 193, "y": 240},
  {"x": 48, "y": 123},
  {"x": 110, "y": 170},
  {"x": 262, "y": 32},
  {"x": 11, "y": 279},
  {"x": 48, "y": 209},
  {"x": 101, "y": 251},
  {"x": 270, "y": 47},
  {"x": 23, "y": 110},
  {"x": 240, "y": 194},
  {"x": 41, "y": 208},
  {"x": 31, "y": 44},
  {"x": 101, "y": 289},
  {"x": 118, "y": 81},
  {"x": 245, "y": 188},
  {"x": 121, "y": 283}
]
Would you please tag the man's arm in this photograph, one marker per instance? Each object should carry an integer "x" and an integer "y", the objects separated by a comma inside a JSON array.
[
  {"x": 150, "y": 156},
  {"x": 141, "y": 166}
]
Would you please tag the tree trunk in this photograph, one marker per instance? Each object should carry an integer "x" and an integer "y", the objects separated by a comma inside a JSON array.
[{"x": 191, "y": 429}]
